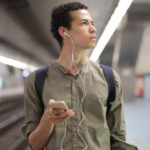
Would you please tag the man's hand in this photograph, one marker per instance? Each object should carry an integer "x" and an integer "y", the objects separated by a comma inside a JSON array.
[
  {"x": 58, "y": 115},
  {"x": 39, "y": 137}
]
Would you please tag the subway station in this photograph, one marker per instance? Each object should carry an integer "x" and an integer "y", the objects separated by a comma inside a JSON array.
[{"x": 115, "y": 33}]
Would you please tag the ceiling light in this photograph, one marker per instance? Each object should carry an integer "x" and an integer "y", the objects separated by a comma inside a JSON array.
[
  {"x": 17, "y": 64},
  {"x": 113, "y": 23}
]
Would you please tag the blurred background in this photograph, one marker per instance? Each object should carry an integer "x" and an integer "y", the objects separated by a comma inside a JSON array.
[{"x": 27, "y": 44}]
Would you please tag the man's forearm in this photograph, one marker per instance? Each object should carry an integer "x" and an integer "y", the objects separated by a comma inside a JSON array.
[{"x": 38, "y": 139}]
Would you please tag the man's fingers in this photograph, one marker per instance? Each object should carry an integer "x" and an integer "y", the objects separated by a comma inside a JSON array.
[
  {"x": 70, "y": 113},
  {"x": 59, "y": 115},
  {"x": 58, "y": 111}
]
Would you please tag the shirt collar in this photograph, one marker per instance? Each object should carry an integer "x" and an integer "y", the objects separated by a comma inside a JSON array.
[{"x": 62, "y": 70}]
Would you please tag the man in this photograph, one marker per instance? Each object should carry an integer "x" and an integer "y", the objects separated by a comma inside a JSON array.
[{"x": 81, "y": 84}]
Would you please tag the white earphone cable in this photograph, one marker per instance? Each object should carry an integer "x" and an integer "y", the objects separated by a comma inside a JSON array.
[
  {"x": 61, "y": 145},
  {"x": 84, "y": 94},
  {"x": 82, "y": 99}
]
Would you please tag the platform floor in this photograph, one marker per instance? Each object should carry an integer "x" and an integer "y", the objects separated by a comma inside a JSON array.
[{"x": 137, "y": 114}]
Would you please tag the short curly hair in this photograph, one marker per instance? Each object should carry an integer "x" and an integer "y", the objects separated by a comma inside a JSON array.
[{"x": 61, "y": 17}]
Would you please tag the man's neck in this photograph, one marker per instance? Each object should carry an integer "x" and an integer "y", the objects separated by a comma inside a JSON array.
[{"x": 72, "y": 63}]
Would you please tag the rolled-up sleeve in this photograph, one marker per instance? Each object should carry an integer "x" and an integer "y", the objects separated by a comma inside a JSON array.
[
  {"x": 116, "y": 120},
  {"x": 32, "y": 106}
]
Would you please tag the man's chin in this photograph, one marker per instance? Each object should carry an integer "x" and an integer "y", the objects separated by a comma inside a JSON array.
[{"x": 92, "y": 45}]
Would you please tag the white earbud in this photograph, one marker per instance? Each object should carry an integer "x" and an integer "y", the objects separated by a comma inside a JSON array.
[{"x": 67, "y": 34}]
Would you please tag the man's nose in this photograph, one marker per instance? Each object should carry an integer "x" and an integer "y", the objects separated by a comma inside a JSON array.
[{"x": 92, "y": 28}]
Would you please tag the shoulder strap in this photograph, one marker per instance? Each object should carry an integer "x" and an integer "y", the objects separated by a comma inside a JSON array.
[
  {"x": 39, "y": 82},
  {"x": 109, "y": 76}
]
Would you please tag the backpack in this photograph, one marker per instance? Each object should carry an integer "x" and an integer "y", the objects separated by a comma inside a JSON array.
[{"x": 108, "y": 74}]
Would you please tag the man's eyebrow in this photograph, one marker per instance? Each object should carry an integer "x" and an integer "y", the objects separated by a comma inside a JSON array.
[{"x": 87, "y": 20}]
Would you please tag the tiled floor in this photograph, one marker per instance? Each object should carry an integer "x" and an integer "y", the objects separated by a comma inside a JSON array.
[{"x": 137, "y": 114}]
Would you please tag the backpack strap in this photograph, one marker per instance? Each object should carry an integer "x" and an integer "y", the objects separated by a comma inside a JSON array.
[
  {"x": 39, "y": 82},
  {"x": 110, "y": 79}
]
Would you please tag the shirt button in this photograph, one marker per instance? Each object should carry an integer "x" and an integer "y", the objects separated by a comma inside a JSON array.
[
  {"x": 75, "y": 118},
  {"x": 75, "y": 134},
  {"x": 69, "y": 128}
]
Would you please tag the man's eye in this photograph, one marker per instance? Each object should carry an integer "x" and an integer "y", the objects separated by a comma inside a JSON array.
[{"x": 84, "y": 22}]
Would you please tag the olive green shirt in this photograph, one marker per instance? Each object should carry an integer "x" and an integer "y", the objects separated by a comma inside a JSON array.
[{"x": 91, "y": 83}]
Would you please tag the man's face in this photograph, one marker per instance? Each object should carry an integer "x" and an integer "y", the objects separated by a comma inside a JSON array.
[{"x": 82, "y": 29}]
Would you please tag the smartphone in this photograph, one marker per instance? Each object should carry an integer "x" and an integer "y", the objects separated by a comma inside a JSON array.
[{"x": 58, "y": 104}]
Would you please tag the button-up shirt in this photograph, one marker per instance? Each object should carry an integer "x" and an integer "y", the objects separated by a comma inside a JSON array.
[{"x": 86, "y": 93}]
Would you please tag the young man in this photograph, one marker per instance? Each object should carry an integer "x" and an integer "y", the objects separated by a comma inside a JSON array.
[{"x": 82, "y": 85}]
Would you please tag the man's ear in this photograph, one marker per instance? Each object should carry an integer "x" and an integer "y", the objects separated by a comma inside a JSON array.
[{"x": 61, "y": 31}]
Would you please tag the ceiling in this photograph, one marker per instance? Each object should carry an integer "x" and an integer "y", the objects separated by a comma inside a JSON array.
[
  {"x": 131, "y": 35},
  {"x": 24, "y": 26}
]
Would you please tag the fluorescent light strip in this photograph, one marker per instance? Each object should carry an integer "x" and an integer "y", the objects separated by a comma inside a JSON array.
[
  {"x": 16, "y": 63},
  {"x": 113, "y": 23}
]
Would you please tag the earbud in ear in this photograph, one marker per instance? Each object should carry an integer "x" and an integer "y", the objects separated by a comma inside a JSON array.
[{"x": 67, "y": 34}]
